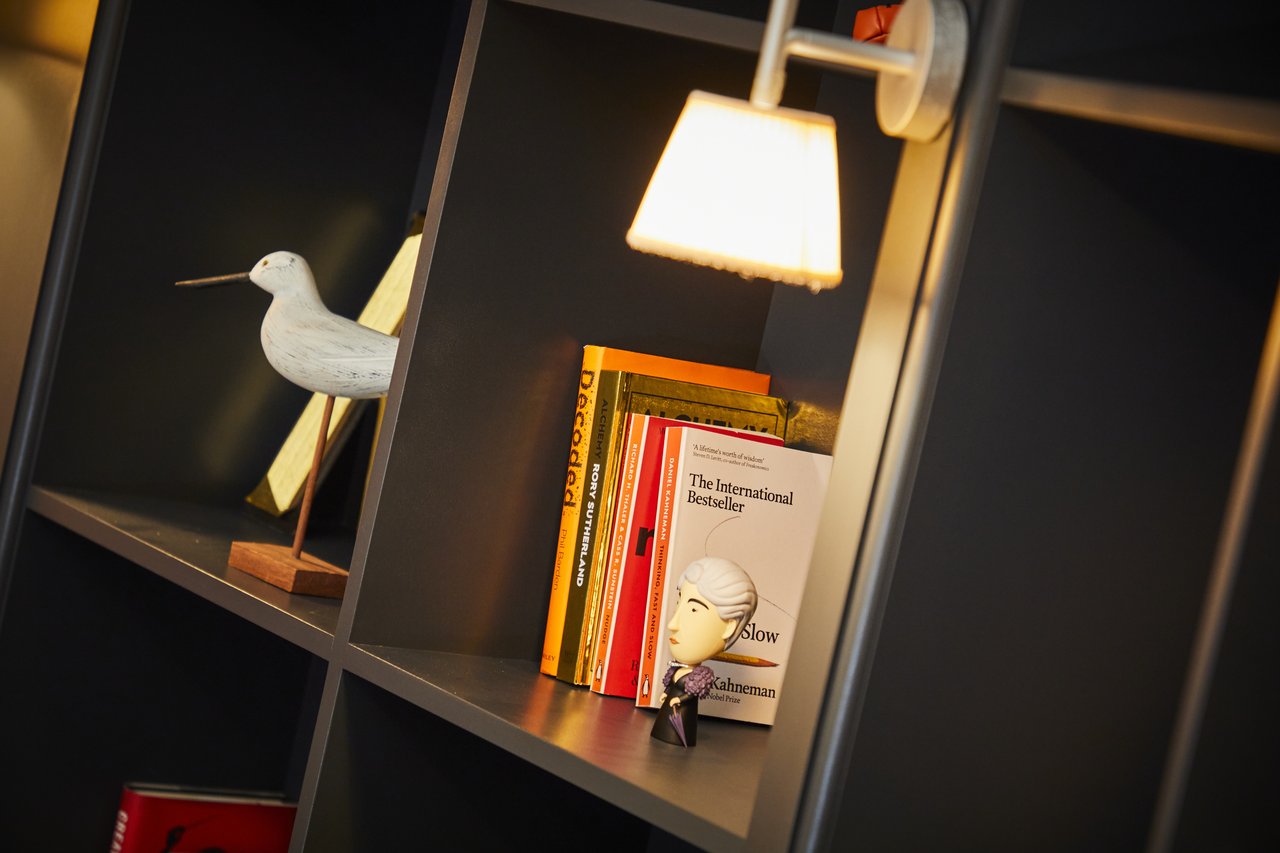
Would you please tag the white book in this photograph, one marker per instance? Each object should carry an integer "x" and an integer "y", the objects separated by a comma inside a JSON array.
[{"x": 756, "y": 505}]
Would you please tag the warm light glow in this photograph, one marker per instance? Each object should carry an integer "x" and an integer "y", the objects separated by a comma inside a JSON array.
[{"x": 747, "y": 189}]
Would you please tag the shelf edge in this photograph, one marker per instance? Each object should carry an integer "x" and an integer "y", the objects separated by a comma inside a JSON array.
[
  {"x": 1223, "y": 119},
  {"x": 50, "y": 505},
  {"x": 710, "y": 27},
  {"x": 362, "y": 661}
]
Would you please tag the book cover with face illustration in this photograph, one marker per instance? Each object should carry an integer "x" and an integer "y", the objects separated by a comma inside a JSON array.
[{"x": 757, "y": 506}]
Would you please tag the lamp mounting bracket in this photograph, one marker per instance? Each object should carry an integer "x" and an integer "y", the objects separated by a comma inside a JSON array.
[{"x": 920, "y": 67}]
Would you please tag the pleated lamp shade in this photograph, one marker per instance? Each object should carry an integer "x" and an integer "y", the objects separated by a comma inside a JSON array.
[{"x": 748, "y": 189}]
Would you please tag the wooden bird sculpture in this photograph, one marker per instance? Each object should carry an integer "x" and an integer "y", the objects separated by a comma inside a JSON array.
[{"x": 324, "y": 353}]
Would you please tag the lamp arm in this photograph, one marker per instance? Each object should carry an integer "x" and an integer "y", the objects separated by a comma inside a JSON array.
[
  {"x": 839, "y": 50},
  {"x": 782, "y": 40},
  {"x": 771, "y": 70}
]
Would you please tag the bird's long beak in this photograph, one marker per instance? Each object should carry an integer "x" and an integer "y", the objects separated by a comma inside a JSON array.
[{"x": 215, "y": 280}]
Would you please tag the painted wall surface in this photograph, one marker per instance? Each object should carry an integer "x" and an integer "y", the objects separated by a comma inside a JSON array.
[{"x": 42, "y": 52}]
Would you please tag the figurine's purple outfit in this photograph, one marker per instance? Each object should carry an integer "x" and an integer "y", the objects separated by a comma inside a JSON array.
[{"x": 691, "y": 687}]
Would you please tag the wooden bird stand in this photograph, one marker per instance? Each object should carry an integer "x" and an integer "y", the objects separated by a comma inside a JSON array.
[
  {"x": 276, "y": 564},
  {"x": 289, "y": 568}
]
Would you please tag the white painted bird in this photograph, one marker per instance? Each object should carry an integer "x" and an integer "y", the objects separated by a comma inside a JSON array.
[{"x": 306, "y": 342}]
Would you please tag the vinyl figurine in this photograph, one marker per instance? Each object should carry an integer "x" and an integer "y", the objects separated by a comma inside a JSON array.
[
  {"x": 324, "y": 353},
  {"x": 716, "y": 598}
]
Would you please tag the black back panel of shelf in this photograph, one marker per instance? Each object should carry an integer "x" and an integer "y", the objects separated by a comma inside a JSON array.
[
  {"x": 235, "y": 129},
  {"x": 113, "y": 675},
  {"x": 564, "y": 122},
  {"x": 810, "y": 338},
  {"x": 1070, "y": 491},
  {"x": 1227, "y": 48},
  {"x": 398, "y": 779}
]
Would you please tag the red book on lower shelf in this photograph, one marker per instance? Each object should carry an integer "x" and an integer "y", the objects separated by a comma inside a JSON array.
[{"x": 173, "y": 819}]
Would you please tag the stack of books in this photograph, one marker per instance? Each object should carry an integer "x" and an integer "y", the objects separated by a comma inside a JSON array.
[{"x": 671, "y": 461}]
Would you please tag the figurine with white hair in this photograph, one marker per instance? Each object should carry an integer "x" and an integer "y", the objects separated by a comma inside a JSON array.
[{"x": 716, "y": 598}]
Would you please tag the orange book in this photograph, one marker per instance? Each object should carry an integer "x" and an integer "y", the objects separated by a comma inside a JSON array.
[{"x": 594, "y": 360}]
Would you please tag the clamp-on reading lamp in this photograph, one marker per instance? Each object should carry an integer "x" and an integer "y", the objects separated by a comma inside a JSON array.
[{"x": 750, "y": 187}]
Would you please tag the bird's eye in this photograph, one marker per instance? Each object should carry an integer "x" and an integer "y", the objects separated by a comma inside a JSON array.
[{"x": 265, "y": 262}]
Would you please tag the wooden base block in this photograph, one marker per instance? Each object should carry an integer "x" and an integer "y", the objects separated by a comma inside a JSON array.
[{"x": 275, "y": 564}]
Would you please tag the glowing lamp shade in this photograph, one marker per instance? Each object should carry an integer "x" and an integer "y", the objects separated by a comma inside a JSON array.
[{"x": 747, "y": 189}]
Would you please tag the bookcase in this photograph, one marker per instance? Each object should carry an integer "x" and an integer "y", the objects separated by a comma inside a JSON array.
[{"x": 1034, "y": 380}]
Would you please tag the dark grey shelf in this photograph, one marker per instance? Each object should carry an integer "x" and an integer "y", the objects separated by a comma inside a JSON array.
[
  {"x": 695, "y": 24},
  {"x": 188, "y": 544},
  {"x": 1082, "y": 264},
  {"x": 598, "y": 743},
  {"x": 1223, "y": 119}
]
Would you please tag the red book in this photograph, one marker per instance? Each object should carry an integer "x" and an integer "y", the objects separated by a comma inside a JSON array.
[{"x": 169, "y": 819}]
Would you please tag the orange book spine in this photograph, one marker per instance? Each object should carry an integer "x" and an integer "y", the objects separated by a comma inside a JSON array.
[{"x": 649, "y": 691}]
